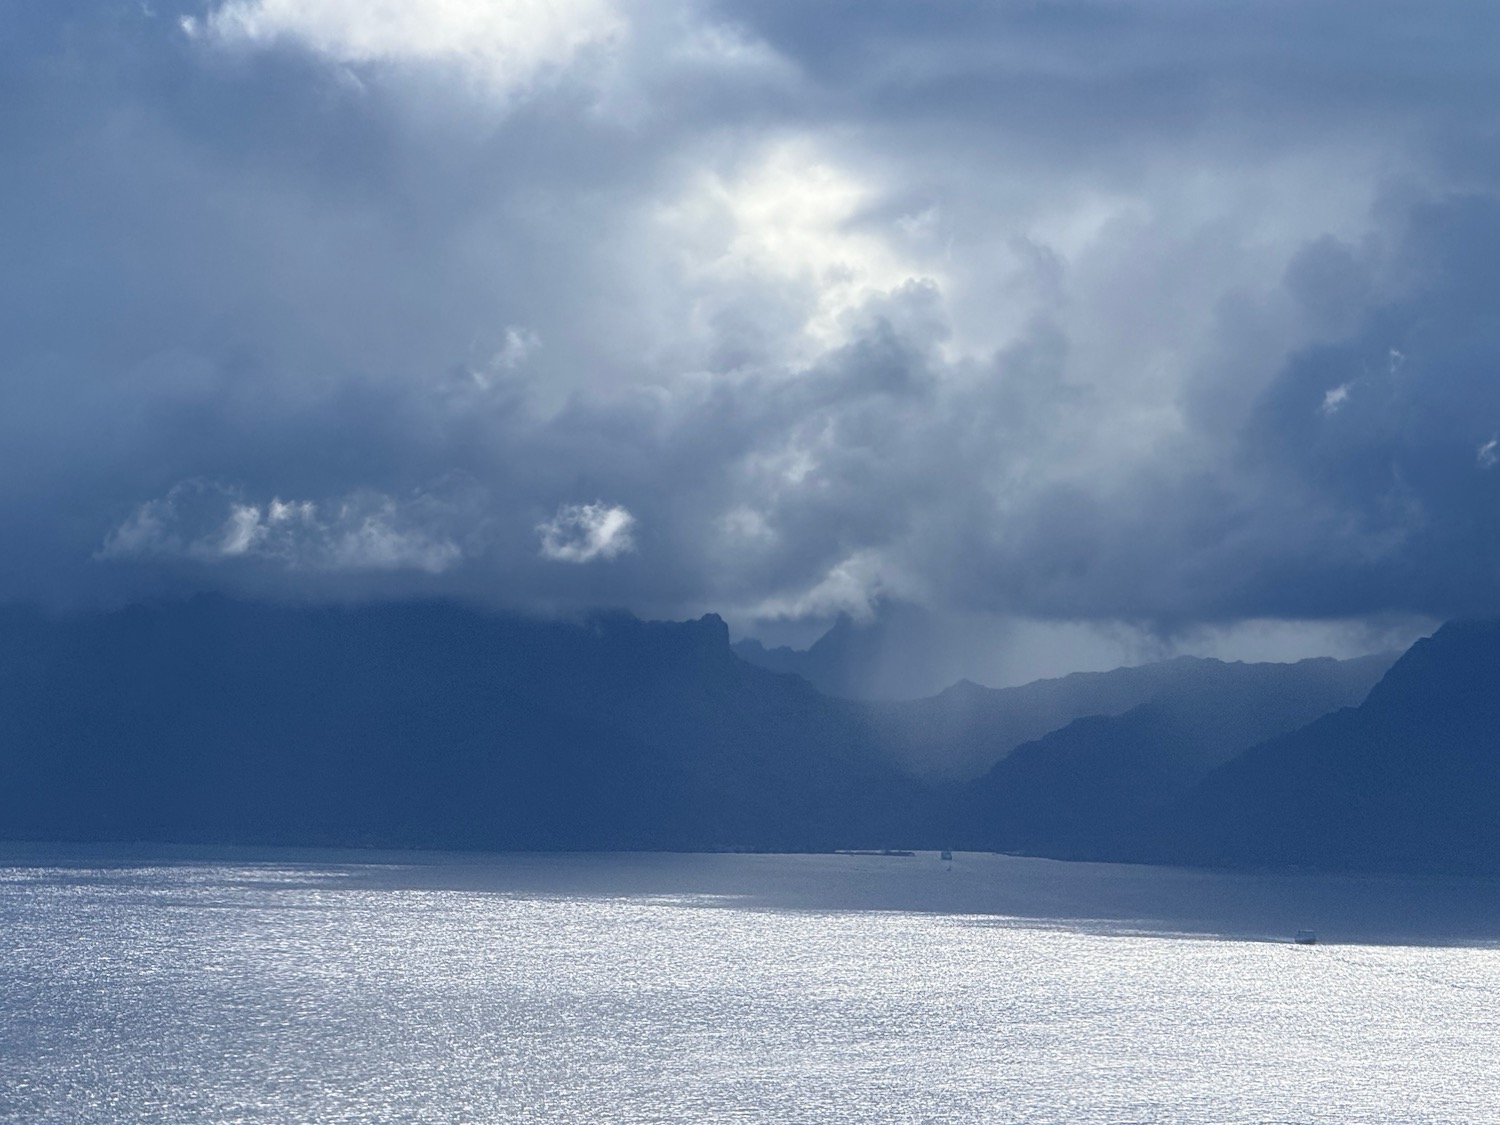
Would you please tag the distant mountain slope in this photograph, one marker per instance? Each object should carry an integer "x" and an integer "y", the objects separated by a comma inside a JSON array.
[
  {"x": 963, "y": 732},
  {"x": 425, "y": 724},
  {"x": 1409, "y": 780},
  {"x": 1097, "y": 774}
]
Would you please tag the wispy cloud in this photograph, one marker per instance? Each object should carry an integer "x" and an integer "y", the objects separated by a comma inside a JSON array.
[
  {"x": 505, "y": 46},
  {"x": 1335, "y": 398},
  {"x": 209, "y": 522},
  {"x": 581, "y": 533}
]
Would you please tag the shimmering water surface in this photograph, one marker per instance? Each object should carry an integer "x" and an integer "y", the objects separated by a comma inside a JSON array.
[{"x": 181, "y": 987}]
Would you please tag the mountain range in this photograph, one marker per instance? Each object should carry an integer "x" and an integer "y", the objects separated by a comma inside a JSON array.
[
  {"x": 1407, "y": 781},
  {"x": 436, "y": 724},
  {"x": 964, "y": 731},
  {"x": 1087, "y": 779},
  {"x": 424, "y": 724}
]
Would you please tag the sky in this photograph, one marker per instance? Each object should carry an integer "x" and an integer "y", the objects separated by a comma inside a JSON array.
[{"x": 1103, "y": 328}]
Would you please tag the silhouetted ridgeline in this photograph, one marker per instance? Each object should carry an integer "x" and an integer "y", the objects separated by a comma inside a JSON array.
[
  {"x": 431, "y": 724},
  {"x": 425, "y": 724}
]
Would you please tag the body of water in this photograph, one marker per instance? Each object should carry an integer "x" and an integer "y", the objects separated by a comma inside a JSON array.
[{"x": 156, "y": 985}]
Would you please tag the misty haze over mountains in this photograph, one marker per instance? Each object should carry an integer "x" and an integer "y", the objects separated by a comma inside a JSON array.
[
  {"x": 431, "y": 724},
  {"x": 901, "y": 650},
  {"x": 958, "y": 733}
]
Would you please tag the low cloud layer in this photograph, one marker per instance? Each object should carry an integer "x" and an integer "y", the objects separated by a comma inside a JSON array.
[
  {"x": 207, "y": 523},
  {"x": 1100, "y": 313}
]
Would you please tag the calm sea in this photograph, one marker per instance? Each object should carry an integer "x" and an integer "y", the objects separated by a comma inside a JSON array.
[{"x": 178, "y": 986}]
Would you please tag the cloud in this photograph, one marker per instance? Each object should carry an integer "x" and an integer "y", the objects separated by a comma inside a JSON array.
[
  {"x": 581, "y": 533},
  {"x": 519, "y": 343},
  {"x": 1334, "y": 398},
  {"x": 505, "y": 46},
  {"x": 854, "y": 586},
  {"x": 1162, "y": 314},
  {"x": 211, "y": 523},
  {"x": 787, "y": 219}
]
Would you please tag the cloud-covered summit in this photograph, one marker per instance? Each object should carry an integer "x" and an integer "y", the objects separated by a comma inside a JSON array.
[{"x": 1143, "y": 312}]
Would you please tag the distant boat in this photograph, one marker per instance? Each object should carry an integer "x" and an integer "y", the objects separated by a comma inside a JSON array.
[{"x": 1306, "y": 937}]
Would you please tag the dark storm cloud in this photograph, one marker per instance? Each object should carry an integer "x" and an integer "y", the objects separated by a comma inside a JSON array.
[
  {"x": 1387, "y": 434},
  {"x": 1152, "y": 312}
]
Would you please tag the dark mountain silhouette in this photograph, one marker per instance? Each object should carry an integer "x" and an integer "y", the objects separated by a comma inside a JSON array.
[
  {"x": 432, "y": 724},
  {"x": 1075, "y": 786},
  {"x": 1409, "y": 780},
  {"x": 426, "y": 724}
]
